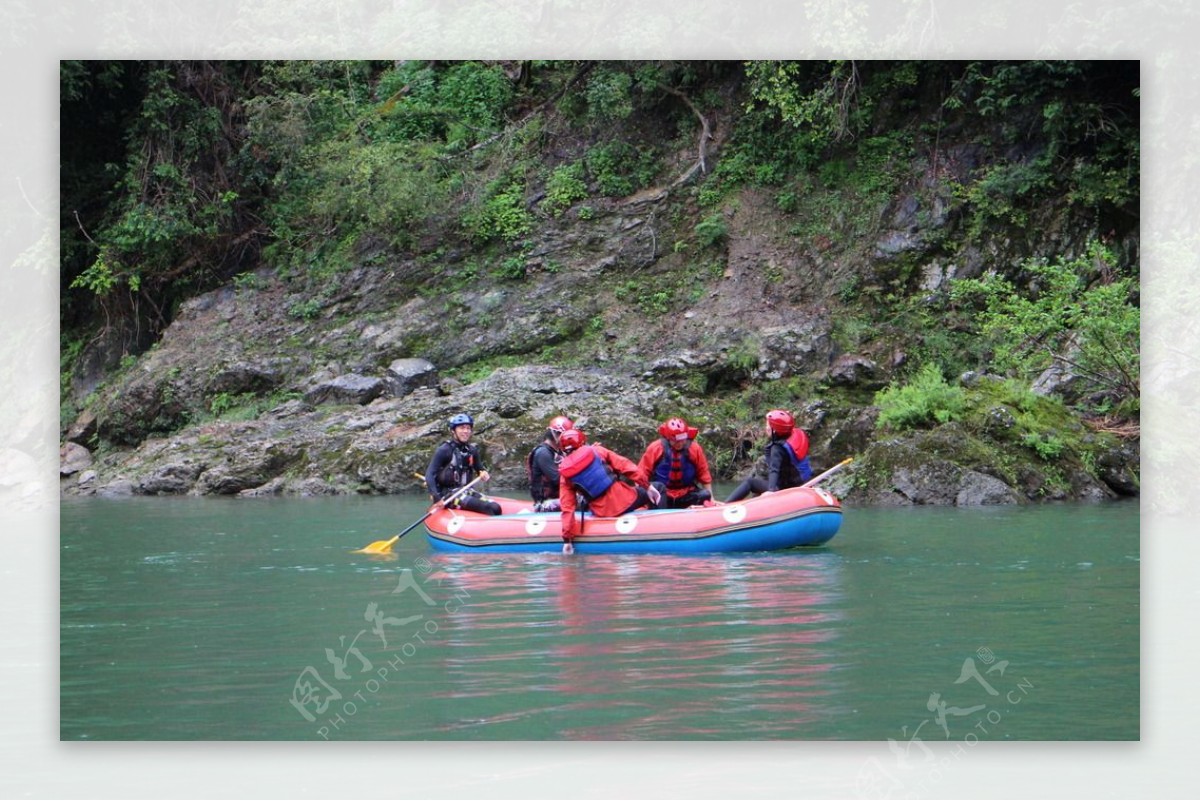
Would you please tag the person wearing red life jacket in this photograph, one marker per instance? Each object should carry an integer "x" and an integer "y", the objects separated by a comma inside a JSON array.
[
  {"x": 542, "y": 464},
  {"x": 677, "y": 466},
  {"x": 786, "y": 455},
  {"x": 611, "y": 484}
]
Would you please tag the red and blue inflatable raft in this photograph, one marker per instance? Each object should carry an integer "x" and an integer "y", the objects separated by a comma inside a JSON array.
[{"x": 800, "y": 516}]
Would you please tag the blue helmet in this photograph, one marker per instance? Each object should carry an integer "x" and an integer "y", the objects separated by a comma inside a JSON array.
[{"x": 461, "y": 420}]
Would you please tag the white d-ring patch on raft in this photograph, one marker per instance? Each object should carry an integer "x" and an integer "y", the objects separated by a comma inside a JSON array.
[
  {"x": 535, "y": 526},
  {"x": 733, "y": 512},
  {"x": 626, "y": 524},
  {"x": 455, "y": 523},
  {"x": 825, "y": 496}
]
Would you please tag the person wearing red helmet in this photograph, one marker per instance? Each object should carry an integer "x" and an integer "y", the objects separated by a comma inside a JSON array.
[
  {"x": 610, "y": 483},
  {"x": 786, "y": 457},
  {"x": 542, "y": 466},
  {"x": 455, "y": 464},
  {"x": 677, "y": 466}
]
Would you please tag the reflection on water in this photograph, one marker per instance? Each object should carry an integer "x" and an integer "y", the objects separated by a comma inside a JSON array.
[{"x": 650, "y": 647}]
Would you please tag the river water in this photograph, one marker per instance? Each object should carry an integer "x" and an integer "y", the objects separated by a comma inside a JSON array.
[{"x": 224, "y": 619}]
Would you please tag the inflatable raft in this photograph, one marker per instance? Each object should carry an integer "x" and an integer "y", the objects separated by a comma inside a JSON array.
[{"x": 800, "y": 516}]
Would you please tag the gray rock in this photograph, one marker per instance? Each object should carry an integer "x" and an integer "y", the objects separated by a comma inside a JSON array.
[
  {"x": 171, "y": 479},
  {"x": 349, "y": 388},
  {"x": 852, "y": 369},
  {"x": 977, "y": 489},
  {"x": 120, "y": 488},
  {"x": 83, "y": 429},
  {"x": 406, "y": 375},
  {"x": 243, "y": 377},
  {"x": 72, "y": 458}
]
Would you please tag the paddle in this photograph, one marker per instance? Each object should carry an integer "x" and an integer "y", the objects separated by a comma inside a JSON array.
[
  {"x": 385, "y": 546},
  {"x": 828, "y": 472}
]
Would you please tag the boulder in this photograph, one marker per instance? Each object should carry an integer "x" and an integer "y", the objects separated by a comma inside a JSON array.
[
  {"x": 852, "y": 369},
  {"x": 344, "y": 389},
  {"x": 72, "y": 458},
  {"x": 243, "y": 377},
  {"x": 406, "y": 375},
  {"x": 83, "y": 429}
]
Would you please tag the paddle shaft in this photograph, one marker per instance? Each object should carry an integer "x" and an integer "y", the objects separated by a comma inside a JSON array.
[
  {"x": 432, "y": 509},
  {"x": 828, "y": 472}
]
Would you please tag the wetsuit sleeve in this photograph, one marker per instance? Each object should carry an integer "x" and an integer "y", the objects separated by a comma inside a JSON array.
[
  {"x": 544, "y": 460},
  {"x": 441, "y": 457}
]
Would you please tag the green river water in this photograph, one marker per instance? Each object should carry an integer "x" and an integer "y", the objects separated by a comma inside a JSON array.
[{"x": 208, "y": 619}]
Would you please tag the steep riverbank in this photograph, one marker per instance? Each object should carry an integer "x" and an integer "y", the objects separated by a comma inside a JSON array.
[{"x": 714, "y": 289}]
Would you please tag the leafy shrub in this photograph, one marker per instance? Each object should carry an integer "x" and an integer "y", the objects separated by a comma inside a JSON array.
[
  {"x": 620, "y": 169},
  {"x": 502, "y": 215},
  {"x": 609, "y": 95},
  {"x": 712, "y": 230},
  {"x": 927, "y": 399},
  {"x": 563, "y": 188},
  {"x": 305, "y": 309},
  {"x": 1076, "y": 310}
]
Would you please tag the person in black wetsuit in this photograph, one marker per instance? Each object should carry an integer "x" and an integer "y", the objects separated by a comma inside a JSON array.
[
  {"x": 455, "y": 464},
  {"x": 787, "y": 458},
  {"x": 542, "y": 464}
]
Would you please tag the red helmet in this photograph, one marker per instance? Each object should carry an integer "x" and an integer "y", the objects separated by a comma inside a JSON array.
[
  {"x": 560, "y": 424},
  {"x": 674, "y": 429},
  {"x": 571, "y": 439},
  {"x": 781, "y": 422}
]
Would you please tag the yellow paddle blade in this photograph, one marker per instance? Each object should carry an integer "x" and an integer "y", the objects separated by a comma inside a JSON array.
[{"x": 379, "y": 546}]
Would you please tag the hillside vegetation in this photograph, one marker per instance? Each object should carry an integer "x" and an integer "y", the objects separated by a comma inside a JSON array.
[{"x": 282, "y": 277}]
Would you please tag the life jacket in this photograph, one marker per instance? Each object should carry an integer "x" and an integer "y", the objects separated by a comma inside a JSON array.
[
  {"x": 541, "y": 486},
  {"x": 675, "y": 468},
  {"x": 464, "y": 464},
  {"x": 587, "y": 472},
  {"x": 796, "y": 447}
]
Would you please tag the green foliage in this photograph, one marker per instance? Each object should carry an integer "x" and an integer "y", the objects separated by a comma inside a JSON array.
[
  {"x": 512, "y": 268},
  {"x": 502, "y": 215},
  {"x": 1087, "y": 113},
  {"x": 712, "y": 230},
  {"x": 247, "y": 281},
  {"x": 305, "y": 309},
  {"x": 476, "y": 96},
  {"x": 479, "y": 370},
  {"x": 1049, "y": 447},
  {"x": 564, "y": 187},
  {"x": 619, "y": 169},
  {"x": 234, "y": 407},
  {"x": 926, "y": 400},
  {"x": 822, "y": 97},
  {"x": 169, "y": 201},
  {"x": 609, "y": 95},
  {"x": 1005, "y": 192},
  {"x": 647, "y": 300},
  {"x": 1076, "y": 310},
  {"x": 98, "y": 278}
]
